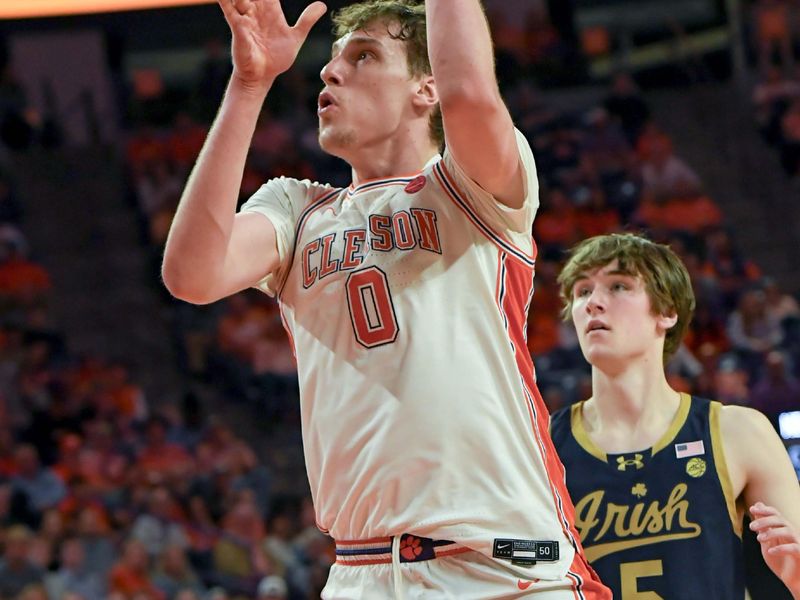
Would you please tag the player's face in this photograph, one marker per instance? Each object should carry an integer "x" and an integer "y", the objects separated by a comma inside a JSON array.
[
  {"x": 366, "y": 100},
  {"x": 614, "y": 320}
]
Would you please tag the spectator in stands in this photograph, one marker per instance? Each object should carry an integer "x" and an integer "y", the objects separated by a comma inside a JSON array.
[
  {"x": 776, "y": 391},
  {"x": 751, "y": 328},
  {"x": 771, "y": 97},
  {"x": 790, "y": 139},
  {"x": 16, "y": 570},
  {"x": 727, "y": 267},
  {"x": 666, "y": 176},
  {"x": 23, "y": 282},
  {"x": 94, "y": 533},
  {"x": 272, "y": 587},
  {"x": 625, "y": 104},
  {"x": 173, "y": 573},
  {"x": 773, "y": 30},
  {"x": 74, "y": 576},
  {"x": 239, "y": 558},
  {"x": 43, "y": 488},
  {"x": 131, "y": 574},
  {"x": 159, "y": 458},
  {"x": 158, "y": 528},
  {"x": 780, "y": 306}
]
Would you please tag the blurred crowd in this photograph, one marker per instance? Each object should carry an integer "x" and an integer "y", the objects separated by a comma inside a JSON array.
[
  {"x": 103, "y": 495},
  {"x": 775, "y": 28}
]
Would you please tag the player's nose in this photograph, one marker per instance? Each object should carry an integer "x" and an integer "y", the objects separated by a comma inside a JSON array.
[
  {"x": 331, "y": 72},
  {"x": 595, "y": 303}
]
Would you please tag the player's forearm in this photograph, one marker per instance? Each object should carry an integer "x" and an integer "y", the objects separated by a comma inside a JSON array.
[
  {"x": 460, "y": 50},
  {"x": 200, "y": 233}
]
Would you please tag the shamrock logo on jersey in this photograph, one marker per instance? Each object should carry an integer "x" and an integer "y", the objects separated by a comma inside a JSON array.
[{"x": 639, "y": 490}]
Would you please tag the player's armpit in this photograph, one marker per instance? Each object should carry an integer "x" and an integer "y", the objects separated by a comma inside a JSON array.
[{"x": 756, "y": 454}]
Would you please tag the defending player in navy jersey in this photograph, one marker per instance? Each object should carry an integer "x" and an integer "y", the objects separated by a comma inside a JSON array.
[
  {"x": 661, "y": 480},
  {"x": 404, "y": 297}
]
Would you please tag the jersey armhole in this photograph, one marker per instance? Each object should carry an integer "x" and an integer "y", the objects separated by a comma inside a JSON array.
[{"x": 722, "y": 466}]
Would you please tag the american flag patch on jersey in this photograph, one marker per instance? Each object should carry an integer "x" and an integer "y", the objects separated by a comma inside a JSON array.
[{"x": 689, "y": 449}]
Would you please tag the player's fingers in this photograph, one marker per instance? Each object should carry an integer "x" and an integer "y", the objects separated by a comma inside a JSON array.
[
  {"x": 242, "y": 6},
  {"x": 228, "y": 8},
  {"x": 785, "y": 549},
  {"x": 774, "y": 533},
  {"x": 763, "y": 509},
  {"x": 767, "y": 522},
  {"x": 309, "y": 17}
]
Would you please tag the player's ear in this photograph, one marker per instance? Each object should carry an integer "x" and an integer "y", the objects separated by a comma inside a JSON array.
[
  {"x": 667, "y": 322},
  {"x": 426, "y": 96}
]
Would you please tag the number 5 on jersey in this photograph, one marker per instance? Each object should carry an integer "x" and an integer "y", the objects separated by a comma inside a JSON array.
[
  {"x": 630, "y": 572},
  {"x": 371, "y": 308}
]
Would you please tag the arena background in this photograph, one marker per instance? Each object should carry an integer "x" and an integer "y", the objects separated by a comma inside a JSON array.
[{"x": 159, "y": 442}]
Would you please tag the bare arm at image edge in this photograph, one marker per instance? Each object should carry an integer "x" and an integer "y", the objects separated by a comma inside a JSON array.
[
  {"x": 210, "y": 249},
  {"x": 478, "y": 128}
]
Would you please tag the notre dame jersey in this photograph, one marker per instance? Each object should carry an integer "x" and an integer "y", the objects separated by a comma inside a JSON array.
[{"x": 661, "y": 522}]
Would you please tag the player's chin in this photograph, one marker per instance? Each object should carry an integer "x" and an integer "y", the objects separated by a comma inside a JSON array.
[{"x": 333, "y": 142}]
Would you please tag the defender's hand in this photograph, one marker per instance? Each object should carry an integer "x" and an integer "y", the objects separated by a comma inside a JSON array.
[{"x": 264, "y": 45}]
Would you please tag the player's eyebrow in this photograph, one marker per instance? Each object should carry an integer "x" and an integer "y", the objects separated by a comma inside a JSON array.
[
  {"x": 583, "y": 275},
  {"x": 353, "y": 40}
]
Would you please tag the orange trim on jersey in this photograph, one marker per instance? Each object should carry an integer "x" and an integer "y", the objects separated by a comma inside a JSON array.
[
  {"x": 380, "y": 540},
  {"x": 460, "y": 550},
  {"x": 301, "y": 223},
  {"x": 461, "y": 198},
  {"x": 377, "y": 179},
  {"x": 514, "y": 294},
  {"x": 363, "y": 563}
]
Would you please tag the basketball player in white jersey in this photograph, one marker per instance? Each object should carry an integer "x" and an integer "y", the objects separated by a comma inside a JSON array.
[{"x": 405, "y": 298}]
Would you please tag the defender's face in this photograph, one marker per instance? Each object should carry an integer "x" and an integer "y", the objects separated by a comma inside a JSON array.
[
  {"x": 613, "y": 318},
  {"x": 367, "y": 93}
]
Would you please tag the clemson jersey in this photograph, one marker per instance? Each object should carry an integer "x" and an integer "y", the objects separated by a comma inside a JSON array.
[{"x": 406, "y": 300}]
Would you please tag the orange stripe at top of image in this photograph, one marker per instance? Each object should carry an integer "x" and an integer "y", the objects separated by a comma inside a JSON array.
[{"x": 24, "y": 9}]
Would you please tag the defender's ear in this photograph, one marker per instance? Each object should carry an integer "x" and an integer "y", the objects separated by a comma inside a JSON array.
[{"x": 667, "y": 322}]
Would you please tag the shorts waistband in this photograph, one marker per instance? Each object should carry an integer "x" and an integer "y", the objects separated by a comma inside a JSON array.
[{"x": 378, "y": 551}]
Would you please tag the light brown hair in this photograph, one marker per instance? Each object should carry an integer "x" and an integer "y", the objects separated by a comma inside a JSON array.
[
  {"x": 665, "y": 277},
  {"x": 410, "y": 16}
]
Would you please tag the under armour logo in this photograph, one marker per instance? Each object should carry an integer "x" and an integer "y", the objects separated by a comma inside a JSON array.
[{"x": 623, "y": 463}]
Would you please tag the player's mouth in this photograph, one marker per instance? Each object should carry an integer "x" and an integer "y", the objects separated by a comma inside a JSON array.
[
  {"x": 596, "y": 325},
  {"x": 326, "y": 103}
]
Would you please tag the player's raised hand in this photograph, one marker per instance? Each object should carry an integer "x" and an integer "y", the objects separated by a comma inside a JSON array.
[
  {"x": 264, "y": 44},
  {"x": 780, "y": 544}
]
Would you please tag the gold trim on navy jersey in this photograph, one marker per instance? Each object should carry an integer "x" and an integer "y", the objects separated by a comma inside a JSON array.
[
  {"x": 722, "y": 466},
  {"x": 677, "y": 423},
  {"x": 582, "y": 437}
]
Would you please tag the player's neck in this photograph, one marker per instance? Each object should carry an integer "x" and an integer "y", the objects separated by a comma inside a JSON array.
[
  {"x": 631, "y": 408},
  {"x": 391, "y": 158}
]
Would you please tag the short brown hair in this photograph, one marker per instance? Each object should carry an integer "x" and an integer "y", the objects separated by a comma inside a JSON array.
[
  {"x": 664, "y": 275},
  {"x": 410, "y": 15}
]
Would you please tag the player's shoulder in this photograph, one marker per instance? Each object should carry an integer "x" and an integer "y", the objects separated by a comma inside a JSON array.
[
  {"x": 296, "y": 187},
  {"x": 743, "y": 424}
]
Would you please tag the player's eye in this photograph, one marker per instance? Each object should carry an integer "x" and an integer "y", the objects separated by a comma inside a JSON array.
[
  {"x": 582, "y": 291},
  {"x": 618, "y": 286}
]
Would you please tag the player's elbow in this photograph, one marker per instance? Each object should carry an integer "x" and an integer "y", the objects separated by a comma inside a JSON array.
[{"x": 180, "y": 282}]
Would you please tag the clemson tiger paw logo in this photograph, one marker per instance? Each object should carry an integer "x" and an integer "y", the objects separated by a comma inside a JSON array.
[{"x": 410, "y": 548}]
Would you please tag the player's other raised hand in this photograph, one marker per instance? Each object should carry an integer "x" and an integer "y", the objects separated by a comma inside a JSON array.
[
  {"x": 780, "y": 544},
  {"x": 264, "y": 44}
]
